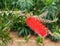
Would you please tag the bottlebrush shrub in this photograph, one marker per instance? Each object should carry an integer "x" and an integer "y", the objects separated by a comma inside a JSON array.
[{"x": 16, "y": 23}]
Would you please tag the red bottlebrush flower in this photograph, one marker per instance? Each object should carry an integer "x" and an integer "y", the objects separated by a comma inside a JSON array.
[{"x": 37, "y": 26}]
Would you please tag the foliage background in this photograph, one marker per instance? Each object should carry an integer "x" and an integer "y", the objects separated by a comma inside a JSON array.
[{"x": 36, "y": 7}]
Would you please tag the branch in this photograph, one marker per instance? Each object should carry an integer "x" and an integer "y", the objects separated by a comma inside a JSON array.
[
  {"x": 43, "y": 14},
  {"x": 13, "y": 12},
  {"x": 48, "y": 21},
  {"x": 28, "y": 15}
]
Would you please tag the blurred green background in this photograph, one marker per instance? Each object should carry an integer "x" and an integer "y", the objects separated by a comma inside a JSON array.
[{"x": 14, "y": 22}]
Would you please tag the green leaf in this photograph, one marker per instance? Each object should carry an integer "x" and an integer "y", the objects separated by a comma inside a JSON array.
[
  {"x": 39, "y": 39},
  {"x": 24, "y": 4}
]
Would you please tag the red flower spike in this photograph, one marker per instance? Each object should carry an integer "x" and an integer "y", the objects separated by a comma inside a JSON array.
[{"x": 37, "y": 26}]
